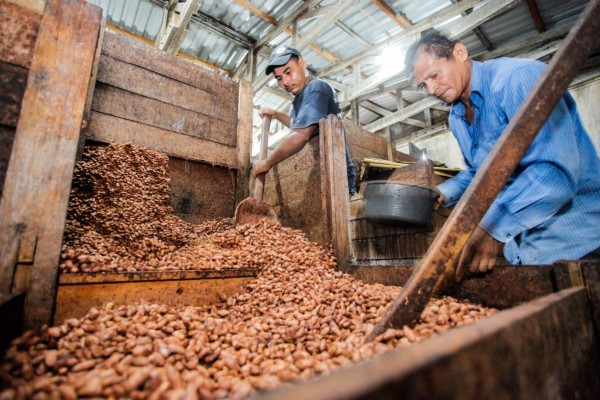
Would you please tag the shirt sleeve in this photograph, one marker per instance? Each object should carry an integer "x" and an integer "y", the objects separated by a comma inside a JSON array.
[
  {"x": 546, "y": 177},
  {"x": 314, "y": 106},
  {"x": 452, "y": 189}
]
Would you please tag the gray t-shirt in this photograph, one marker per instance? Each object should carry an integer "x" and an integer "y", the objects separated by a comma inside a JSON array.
[{"x": 316, "y": 101}]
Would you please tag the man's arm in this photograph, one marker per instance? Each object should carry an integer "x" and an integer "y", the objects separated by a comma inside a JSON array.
[
  {"x": 288, "y": 147},
  {"x": 278, "y": 115}
]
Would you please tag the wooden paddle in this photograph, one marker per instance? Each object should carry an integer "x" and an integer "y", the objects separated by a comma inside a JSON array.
[{"x": 253, "y": 209}]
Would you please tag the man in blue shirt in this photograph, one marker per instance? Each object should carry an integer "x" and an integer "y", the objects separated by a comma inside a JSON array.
[
  {"x": 550, "y": 207},
  {"x": 313, "y": 99}
]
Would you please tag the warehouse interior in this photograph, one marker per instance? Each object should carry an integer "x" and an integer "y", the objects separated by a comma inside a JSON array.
[{"x": 130, "y": 130}]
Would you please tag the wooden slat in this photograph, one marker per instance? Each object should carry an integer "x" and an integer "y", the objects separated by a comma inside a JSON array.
[
  {"x": 18, "y": 34},
  {"x": 36, "y": 191},
  {"x": 147, "y": 83},
  {"x": 244, "y": 140},
  {"x": 12, "y": 88},
  {"x": 133, "y": 107},
  {"x": 151, "y": 58},
  {"x": 73, "y": 301},
  {"x": 107, "y": 129},
  {"x": 543, "y": 349},
  {"x": 200, "y": 192},
  {"x": 334, "y": 190},
  {"x": 7, "y": 136}
]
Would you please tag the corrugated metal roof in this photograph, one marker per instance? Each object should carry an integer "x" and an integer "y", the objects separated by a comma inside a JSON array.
[{"x": 217, "y": 21}]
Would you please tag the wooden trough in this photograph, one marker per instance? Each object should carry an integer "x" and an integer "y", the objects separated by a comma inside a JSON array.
[{"x": 544, "y": 344}]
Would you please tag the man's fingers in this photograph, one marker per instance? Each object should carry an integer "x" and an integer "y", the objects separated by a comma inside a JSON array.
[{"x": 465, "y": 256}]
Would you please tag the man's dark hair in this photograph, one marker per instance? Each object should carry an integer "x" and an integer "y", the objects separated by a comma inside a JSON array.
[{"x": 431, "y": 42}]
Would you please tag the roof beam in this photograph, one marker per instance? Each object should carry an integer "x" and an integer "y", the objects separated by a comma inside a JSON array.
[
  {"x": 486, "y": 12},
  {"x": 175, "y": 25},
  {"x": 422, "y": 134},
  {"x": 477, "y": 31},
  {"x": 325, "y": 22},
  {"x": 412, "y": 32},
  {"x": 284, "y": 24},
  {"x": 517, "y": 47},
  {"x": 402, "y": 114},
  {"x": 398, "y": 18},
  {"x": 384, "y": 112},
  {"x": 535, "y": 14}
]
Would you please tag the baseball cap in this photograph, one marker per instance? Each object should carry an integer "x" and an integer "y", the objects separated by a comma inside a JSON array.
[{"x": 280, "y": 56}]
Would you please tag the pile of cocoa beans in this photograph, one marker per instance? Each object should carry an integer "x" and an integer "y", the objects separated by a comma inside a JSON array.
[
  {"x": 119, "y": 216},
  {"x": 299, "y": 318}
]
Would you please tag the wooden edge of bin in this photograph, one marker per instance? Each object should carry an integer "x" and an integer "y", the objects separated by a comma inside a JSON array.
[
  {"x": 81, "y": 278},
  {"x": 531, "y": 351}
]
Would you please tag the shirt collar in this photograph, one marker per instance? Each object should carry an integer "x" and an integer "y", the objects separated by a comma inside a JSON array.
[{"x": 458, "y": 108}]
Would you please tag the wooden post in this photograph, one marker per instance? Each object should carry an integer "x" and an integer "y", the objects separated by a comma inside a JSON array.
[
  {"x": 38, "y": 181},
  {"x": 244, "y": 140},
  {"x": 334, "y": 188}
]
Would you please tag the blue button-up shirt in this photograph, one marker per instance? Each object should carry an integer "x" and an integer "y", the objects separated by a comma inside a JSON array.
[{"x": 550, "y": 207}]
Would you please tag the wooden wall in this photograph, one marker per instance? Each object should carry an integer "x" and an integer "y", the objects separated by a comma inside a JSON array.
[
  {"x": 159, "y": 101},
  {"x": 17, "y": 40}
]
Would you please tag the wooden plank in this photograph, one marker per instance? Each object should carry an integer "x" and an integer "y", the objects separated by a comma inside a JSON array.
[
  {"x": 155, "y": 86},
  {"x": 528, "y": 352},
  {"x": 36, "y": 190},
  {"x": 107, "y": 129},
  {"x": 335, "y": 187},
  {"x": 73, "y": 301},
  {"x": 244, "y": 140},
  {"x": 151, "y": 58},
  {"x": 12, "y": 88},
  {"x": 133, "y": 107},
  {"x": 591, "y": 275},
  {"x": 18, "y": 34},
  {"x": 142, "y": 276},
  {"x": 11, "y": 315},
  {"x": 200, "y": 192},
  {"x": 7, "y": 135}
]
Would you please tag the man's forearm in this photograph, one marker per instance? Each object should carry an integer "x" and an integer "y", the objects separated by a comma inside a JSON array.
[
  {"x": 283, "y": 118},
  {"x": 288, "y": 147}
]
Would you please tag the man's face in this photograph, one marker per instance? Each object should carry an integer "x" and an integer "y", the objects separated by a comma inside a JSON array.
[
  {"x": 290, "y": 76},
  {"x": 445, "y": 79}
]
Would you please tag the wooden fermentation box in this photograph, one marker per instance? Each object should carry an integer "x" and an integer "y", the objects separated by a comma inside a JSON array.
[{"x": 544, "y": 343}]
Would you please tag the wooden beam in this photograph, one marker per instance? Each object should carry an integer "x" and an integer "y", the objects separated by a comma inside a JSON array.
[
  {"x": 257, "y": 11},
  {"x": 401, "y": 115},
  {"x": 477, "y": 31},
  {"x": 188, "y": 57},
  {"x": 325, "y": 22},
  {"x": 174, "y": 27},
  {"x": 422, "y": 134},
  {"x": 414, "y": 31},
  {"x": 521, "y": 45},
  {"x": 244, "y": 141},
  {"x": 36, "y": 191},
  {"x": 398, "y": 18},
  {"x": 465, "y": 24},
  {"x": 535, "y": 14}
]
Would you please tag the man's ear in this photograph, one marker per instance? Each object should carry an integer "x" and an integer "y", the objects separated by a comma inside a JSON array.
[
  {"x": 460, "y": 52},
  {"x": 302, "y": 62}
]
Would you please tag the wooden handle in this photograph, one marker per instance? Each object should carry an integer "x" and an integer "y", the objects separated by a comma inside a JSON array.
[{"x": 259, "y": 181}]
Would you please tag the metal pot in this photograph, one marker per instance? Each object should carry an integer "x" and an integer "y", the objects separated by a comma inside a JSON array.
[{"x": 402, "y": 203}]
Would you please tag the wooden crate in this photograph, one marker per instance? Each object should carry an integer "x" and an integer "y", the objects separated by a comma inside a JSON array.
[
  {"x": 547, "y": 347},
  {"x": 128, "y": 92}
]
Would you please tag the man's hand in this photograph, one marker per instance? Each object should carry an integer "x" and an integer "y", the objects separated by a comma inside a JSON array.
[
  {"x": 267, "y": 111},
  {"x": 261, "y": 167},
  {"x": 440, "y": 200},
  {"x": 478, "y": 255}
]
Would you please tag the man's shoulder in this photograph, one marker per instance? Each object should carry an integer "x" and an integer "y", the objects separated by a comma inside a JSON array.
[
  {"x": 500, "y": 72},
  {"x": 316, "y": 84},
  {"x": 506, "y": 66}
]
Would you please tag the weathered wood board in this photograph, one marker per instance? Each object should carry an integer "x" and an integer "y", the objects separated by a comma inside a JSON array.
[
  {"x": 201, "y": 192},
  {"x": 77, "y": 293},
  {"x": 154, "y": 99},
  {"x": 293, "y": 189},
  {"x": 31, "y": 230},
  {"x": 530, "y": 351}
]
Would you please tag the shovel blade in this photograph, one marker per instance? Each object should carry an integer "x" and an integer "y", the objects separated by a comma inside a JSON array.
[{"x": 252, "y": 210}]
